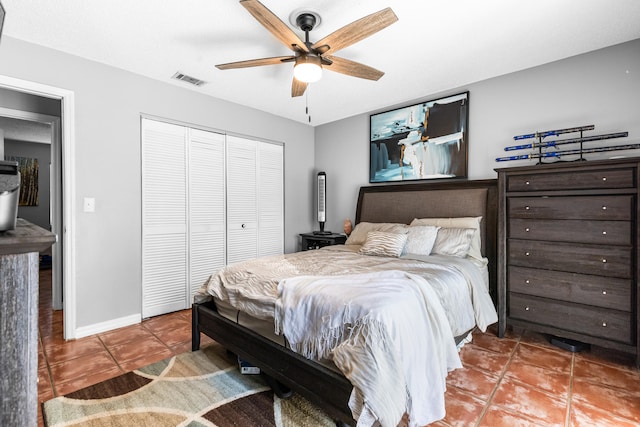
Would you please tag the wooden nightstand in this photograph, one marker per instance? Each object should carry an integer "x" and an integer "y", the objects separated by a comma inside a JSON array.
[{"x": 317, "y": 241}]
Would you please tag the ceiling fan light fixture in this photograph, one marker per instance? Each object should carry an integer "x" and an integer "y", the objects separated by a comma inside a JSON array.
[{"x": 307, "y": 68}]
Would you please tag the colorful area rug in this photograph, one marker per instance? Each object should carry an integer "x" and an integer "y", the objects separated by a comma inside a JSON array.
[{"x": 203, "y": 388}]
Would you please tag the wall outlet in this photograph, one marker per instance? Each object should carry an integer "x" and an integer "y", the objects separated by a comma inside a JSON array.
[{"x": 89, "y": 204}]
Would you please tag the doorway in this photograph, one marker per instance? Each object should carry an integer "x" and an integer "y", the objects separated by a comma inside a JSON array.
[
  {"x": 62, "y": 188},
  {"x": 36, "y": 137}
]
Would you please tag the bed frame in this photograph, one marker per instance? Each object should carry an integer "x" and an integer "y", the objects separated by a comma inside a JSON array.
[{"x": 401, "y": 203}]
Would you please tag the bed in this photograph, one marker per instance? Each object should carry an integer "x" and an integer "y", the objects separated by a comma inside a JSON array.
[{"x": 319, "y": 382}]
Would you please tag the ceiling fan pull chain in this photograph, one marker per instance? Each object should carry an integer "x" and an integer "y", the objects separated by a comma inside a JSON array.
[{"x": 306, "y": 100}]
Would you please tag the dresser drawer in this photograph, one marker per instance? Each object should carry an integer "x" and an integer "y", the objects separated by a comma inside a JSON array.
[
  {"x": 597, "y": 232},
  {"x": 597, "y": 322},
  {"x": 606, "y": 292},
  {"x": 610, "y": 261},
  {"x": 606, "y": 208},
  {"x": 575, "y": 180}
]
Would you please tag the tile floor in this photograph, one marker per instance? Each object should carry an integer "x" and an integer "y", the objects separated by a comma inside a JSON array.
[{"x": 520, "y": 380}]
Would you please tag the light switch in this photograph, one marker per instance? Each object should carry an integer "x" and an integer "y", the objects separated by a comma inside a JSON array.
[{"x": 89, "y": 204}]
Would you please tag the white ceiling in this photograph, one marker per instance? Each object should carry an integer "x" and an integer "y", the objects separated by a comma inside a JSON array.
[{"x": 435, "y": 45}]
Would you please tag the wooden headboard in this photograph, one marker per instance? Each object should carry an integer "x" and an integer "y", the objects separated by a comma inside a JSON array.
[{"x": 402, "y": 203}]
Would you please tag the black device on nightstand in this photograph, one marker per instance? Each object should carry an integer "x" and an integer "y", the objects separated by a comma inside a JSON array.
[{"x": 316, "y": 241}]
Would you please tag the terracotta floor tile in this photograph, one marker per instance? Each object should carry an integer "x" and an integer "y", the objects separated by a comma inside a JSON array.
[
  {"x": 606, "y": 374},
  {"x": 485, "y": 360},
  {"x": 462, "y": 408},
  {"x": 82, "y": 366},
  {"x": 530, "y": 403},
  {"x": 548, "y": 380},
  {"x": 80, "y": 382},
  {"x": 583, "y": 415},
  {"x": 538, "y": 339},
  {"x": 45, "y": 388},
  {"x": 499, "y": 417},
  {"x": 543, "y": 357},
  {"x": 510, "y": 333},
  {"x": 621, "y": 403},
  {"x": 133, "y": 350},
  {"x": 124, "y": 335},
  {"x": 68, "y": 350},
  {"x": 165, "y": 322},
  {"x": 178, "y": 335},
  {"x": 145, "y": 359},
  {"x": 474, "y": 381},
  {"x": 181, "y": 348},
  {"x": 610, "y": 357},
  {"x": 493, "y": 343}
]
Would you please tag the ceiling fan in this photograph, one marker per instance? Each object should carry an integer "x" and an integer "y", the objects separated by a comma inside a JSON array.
[{"x": 311, "y": 58}]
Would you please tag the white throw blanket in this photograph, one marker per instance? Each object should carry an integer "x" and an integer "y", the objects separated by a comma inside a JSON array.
[{"x": 387, "y": 333}]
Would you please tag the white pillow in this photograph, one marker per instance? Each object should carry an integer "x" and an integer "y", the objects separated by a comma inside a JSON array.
[
  {"x": 382, "y": 243},
  {"x": 420, "y": 239},
  {"x": 359, "y": 233},
  {"x": 461, "y": 222},
  {"x": 453, "y": 241}
]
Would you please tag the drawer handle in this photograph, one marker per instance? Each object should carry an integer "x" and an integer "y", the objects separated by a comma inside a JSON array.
[
  {"x": 604, "y": 178},
  {"x": 527, "y": 281},
  {"x": 604, "y": 208},
  {"x": 526, "y": 308},
  {"x": 604, "y": 324},
  {"x": 526, "y": 254},
  {"x": 604, "y": 292},
  {"x": 604, "y": 260},
  {"x": 527, "y": 208},
  {"x": 526, "y": 229},
  {"x": 526, "y": 182},
  {"x": 244, "y": 225},
  {"x": 604, "y": 233}
]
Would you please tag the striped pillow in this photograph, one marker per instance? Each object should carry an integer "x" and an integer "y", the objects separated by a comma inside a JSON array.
[{"x": 382, "y": 243}]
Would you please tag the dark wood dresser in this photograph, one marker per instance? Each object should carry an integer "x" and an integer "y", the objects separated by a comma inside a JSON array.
[{"x": 568, "y": 251}]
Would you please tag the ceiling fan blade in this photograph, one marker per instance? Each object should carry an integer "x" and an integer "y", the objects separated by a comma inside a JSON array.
[
  {"x": 352, "y": 68},
  {"x": 358, "y": 30},
  {"x": 272, "y": 23},
  {"x": 256, "y": 62},
  {"x": 298, "y": 87}
]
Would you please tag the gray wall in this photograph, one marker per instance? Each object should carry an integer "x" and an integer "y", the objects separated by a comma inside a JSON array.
[
  {"x": 108, "y": 105},
  {"x": 599, "y": 88},
  {"x": 38, "y": 215}
]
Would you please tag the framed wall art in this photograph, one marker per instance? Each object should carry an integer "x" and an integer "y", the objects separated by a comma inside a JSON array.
[
  {"x": 428, "y": 140},
  {"x": 28, "y": 168}
]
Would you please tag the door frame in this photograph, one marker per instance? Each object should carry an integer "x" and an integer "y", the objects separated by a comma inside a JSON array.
[{"x": 67, "y": 233}]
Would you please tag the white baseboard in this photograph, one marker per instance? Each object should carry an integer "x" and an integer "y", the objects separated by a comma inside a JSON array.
[{"x": 98, "y": 328}]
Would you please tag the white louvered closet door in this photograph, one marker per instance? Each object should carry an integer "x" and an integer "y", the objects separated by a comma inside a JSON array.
[
  {"x": 242, "y": 206},
  {"x": 206, "y": 206},
  {"x": 270, "y": 185},
  {"x": 164, "y": 218}
]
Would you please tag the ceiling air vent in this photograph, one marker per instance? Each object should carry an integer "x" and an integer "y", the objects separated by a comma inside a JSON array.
[{"x": 188, "y": 79}]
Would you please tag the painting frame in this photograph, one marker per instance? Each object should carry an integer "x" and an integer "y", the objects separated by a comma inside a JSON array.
[{"x": 422, "y": 141}]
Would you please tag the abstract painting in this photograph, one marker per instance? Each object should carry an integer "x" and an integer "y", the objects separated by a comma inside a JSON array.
[{"x": 428, "y": 140}]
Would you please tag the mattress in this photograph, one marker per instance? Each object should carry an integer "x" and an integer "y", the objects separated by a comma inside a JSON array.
[{"x": 245, "y": 293}]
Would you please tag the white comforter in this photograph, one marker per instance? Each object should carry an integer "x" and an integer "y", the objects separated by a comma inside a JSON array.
[{"x": 387, "y": 332}]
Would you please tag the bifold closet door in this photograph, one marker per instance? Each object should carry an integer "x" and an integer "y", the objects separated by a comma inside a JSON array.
[
  {"x": 164, "y": 218},
  {"x": 270, "y": 185},
  {"x": 207, "y": 232},
  {"x": 242, "y": 204},
  {"x": 183, "y": 213}
]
